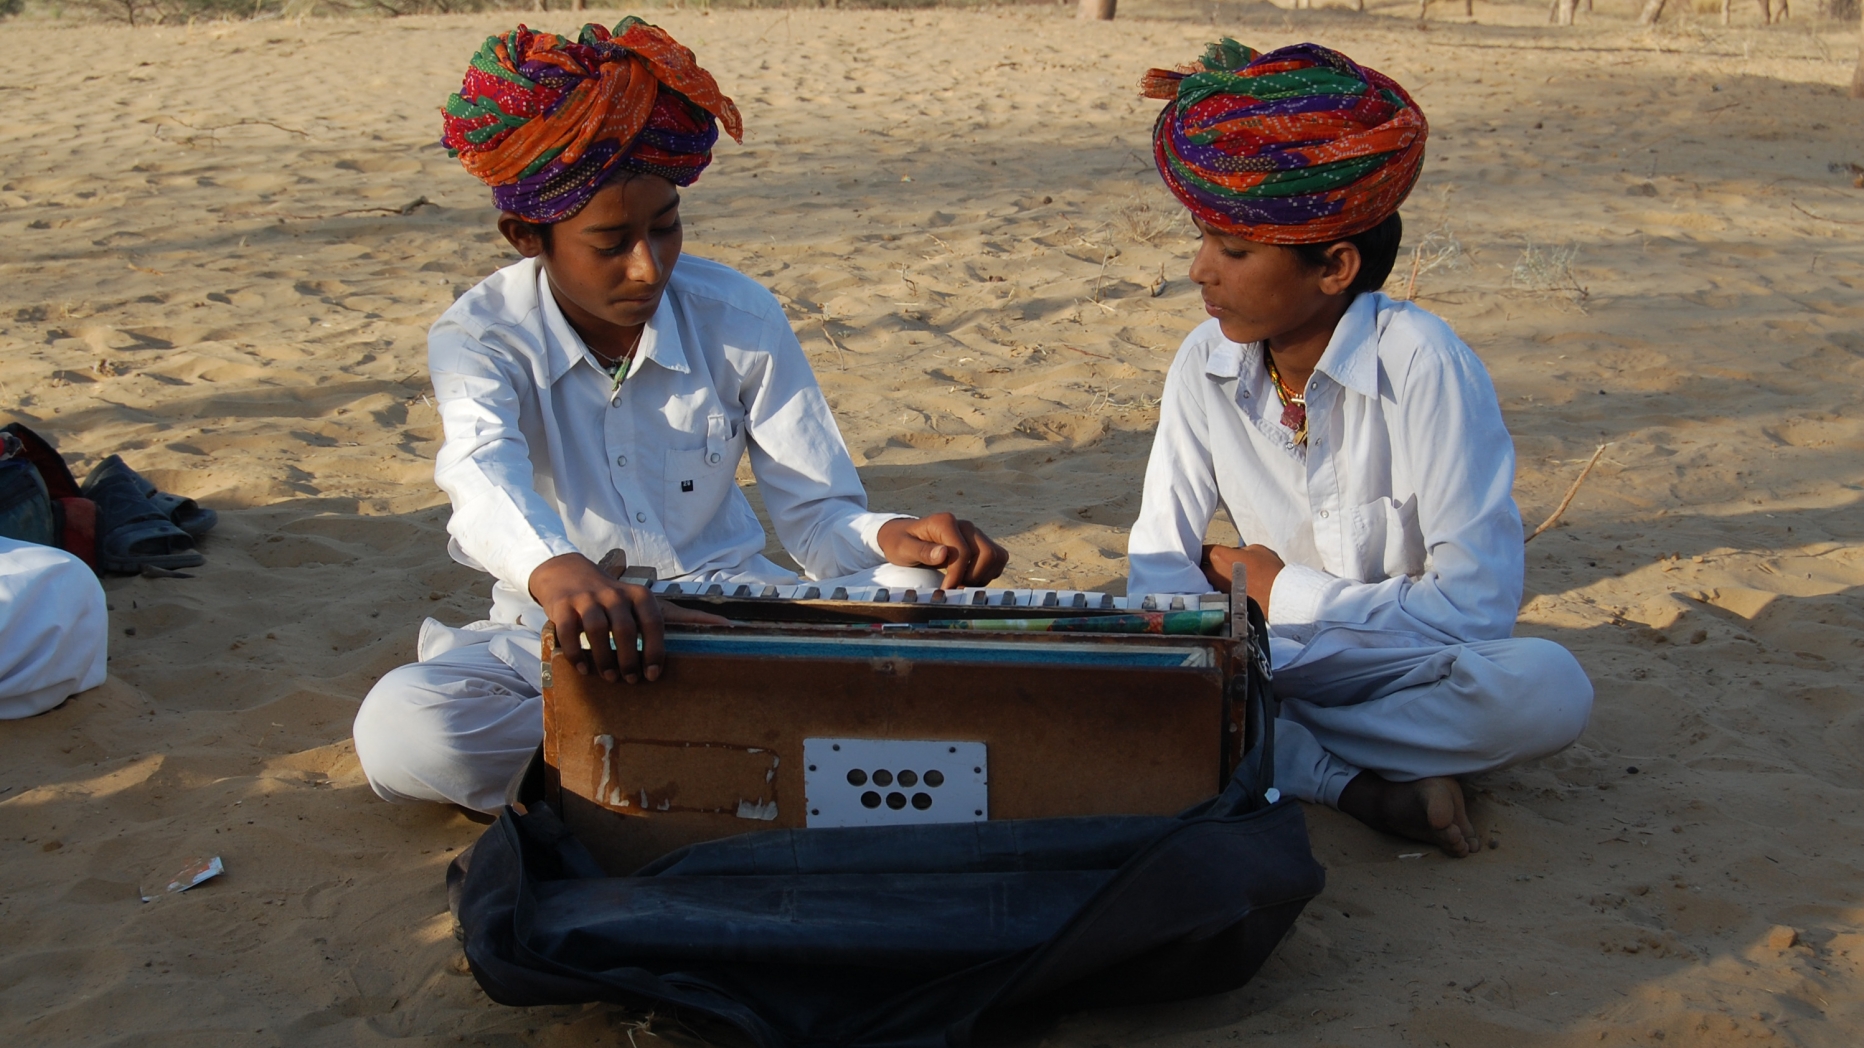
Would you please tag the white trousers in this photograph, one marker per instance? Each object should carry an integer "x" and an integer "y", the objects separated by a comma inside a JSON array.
[
  {"x": 1413, "y": 713},
  {"x": 461, "y": 724},
  {"x": 54, "y": 629}
]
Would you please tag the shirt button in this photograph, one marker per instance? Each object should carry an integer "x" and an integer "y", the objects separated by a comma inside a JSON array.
[
  {"x": 640, "y": 518},
  {"x": 1288, "y": 446},
  {"x": 712, "y": 458},
  {"x": 621, "y": 460},
  {"x": 1245, "y": 394},
  {"x": 1323, "y": 514}
]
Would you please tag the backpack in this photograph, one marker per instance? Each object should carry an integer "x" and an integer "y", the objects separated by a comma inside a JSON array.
[
  {"x": 898, "y": 936},
  {"x": 39, "y": 499}
]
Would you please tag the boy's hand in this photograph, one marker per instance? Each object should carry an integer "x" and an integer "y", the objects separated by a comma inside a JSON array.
[
  {"x": 582, "y": 600},
  {"x": 1260, "y": 566},
  {"x": 959, "y": 548}
]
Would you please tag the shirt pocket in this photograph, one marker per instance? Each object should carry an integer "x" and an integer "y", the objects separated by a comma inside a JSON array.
[
  {"x": 1389, "y": 541},
  {"x": 1404, "y": 539},
  {"x": 699, "y": 481}
]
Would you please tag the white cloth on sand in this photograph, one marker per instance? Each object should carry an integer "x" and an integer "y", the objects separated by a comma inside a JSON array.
[{"x": 54, "y": 629}]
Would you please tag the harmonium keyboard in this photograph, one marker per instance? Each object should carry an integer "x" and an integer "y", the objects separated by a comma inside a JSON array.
[{"x": 866, "y": 707}]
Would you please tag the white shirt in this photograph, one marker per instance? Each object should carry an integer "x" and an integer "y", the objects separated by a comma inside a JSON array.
[
  {"x": 538, "y": 463},
  {"x": 1397, "y": 521}
]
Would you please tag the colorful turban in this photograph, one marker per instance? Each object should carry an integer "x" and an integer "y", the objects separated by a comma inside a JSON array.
[
  {"x": 1297, "y": 146},
  {"x": 545, "y": 121}
]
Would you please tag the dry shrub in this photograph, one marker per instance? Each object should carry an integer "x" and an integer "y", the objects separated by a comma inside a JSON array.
[
  {"x": 1549, "y": 271},
  {"x": 1148, "y": 221}
]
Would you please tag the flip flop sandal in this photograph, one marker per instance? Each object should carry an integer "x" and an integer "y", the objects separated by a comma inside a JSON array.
[
  {"x": 182, "y": 511},
  {"x": 132, "y": 532}
]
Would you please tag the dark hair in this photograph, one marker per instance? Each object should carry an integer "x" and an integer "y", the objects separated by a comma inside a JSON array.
[{"x": 1378, "y": 252}]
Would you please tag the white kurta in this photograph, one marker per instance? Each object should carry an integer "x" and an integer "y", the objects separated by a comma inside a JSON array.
[
  {"x": 1402, "y": 541},
  {"x": 539, "y": 462},
  {"x": 54, "y": 629}
]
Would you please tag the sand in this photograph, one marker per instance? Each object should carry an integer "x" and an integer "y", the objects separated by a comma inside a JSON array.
[{"x": 215, "y": 265}]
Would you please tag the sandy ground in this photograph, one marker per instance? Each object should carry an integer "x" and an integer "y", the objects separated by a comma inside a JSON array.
[{"x": 207, "y": 269}]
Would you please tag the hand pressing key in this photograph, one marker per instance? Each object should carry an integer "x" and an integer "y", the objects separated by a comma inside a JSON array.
[
  {"x": 582, "y": 600},
  {"x": 941, "y": 541}
]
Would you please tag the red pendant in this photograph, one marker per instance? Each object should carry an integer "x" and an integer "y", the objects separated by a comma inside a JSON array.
[{"x": 1294, "y": 417}]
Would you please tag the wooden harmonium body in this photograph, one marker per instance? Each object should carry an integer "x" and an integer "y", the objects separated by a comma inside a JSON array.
[{"x": 863, "y": 709}]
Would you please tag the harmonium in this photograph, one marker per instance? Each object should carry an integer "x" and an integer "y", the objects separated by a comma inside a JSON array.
[{"x": 864, "y": 707}]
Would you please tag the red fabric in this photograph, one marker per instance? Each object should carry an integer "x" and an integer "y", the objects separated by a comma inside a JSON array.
[{"x": 77, "y": 529}]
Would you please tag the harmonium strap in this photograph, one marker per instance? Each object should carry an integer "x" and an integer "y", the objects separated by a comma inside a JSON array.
[{"x": 869, "y": 707}]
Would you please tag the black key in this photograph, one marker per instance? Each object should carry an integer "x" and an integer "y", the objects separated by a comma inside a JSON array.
[
  {"x": 741, "y": 591},
  {"x": 1080, "y": 600},
  {"x": 1106, "y": 601},
  {"x": 812, "y": 593},
  {"x": 715, "y": 590},
  {"x": 769, "y": 591},
  {"x": 881, "y": 596},
  {"x": 673, "y": 589},
  {"x": 981, "y": 597},
  {"x": 1151, "y": 603},
  {"x": 1049, "y": 600},
  {"x": 938, "y": 596},
  {"x": 911, "y": 596},
  {"x": 841, "y": 593}
]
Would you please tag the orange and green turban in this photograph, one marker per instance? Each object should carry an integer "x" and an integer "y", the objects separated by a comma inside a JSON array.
[
  {"x": 1301, "y": 145},
  {"x": 546, "y": 121}
]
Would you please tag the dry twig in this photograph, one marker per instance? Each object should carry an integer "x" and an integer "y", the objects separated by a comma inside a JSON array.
[
  {"x": 1570, "y": 492},
  {"x": 1823, "y": 218},
  {"x": 831, "y": 340}
]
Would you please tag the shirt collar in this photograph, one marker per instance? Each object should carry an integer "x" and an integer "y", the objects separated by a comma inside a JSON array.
[
  {"x": 1351, "y": 357},
  {"x": 660, "y": 342}
]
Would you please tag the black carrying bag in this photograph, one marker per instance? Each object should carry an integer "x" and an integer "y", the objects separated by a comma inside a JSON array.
[{"x": 903, "y": 935}]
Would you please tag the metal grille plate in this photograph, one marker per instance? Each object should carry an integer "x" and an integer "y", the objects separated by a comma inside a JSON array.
[{"x": 894, "y": 782}]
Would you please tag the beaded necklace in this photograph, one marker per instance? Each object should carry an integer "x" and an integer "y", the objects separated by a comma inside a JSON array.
[
  {"x": 1294, "y": 405},
  {"x": 620, "y": 368}
]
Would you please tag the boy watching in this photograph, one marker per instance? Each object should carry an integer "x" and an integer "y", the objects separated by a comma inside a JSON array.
[
  {"x": 1355, "y": 441},
  {"x": 598, "y": 395}
]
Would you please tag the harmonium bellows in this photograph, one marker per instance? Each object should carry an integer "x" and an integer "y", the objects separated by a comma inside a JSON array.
[{"x": 881, "y": 708}]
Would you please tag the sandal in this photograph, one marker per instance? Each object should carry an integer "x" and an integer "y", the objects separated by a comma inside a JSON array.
[
  {"x": 183, "y": 512},
  {"x": 132, "y": 531}
]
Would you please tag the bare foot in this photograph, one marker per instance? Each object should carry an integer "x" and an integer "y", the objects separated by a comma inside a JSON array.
[{"x": 1428, "y": 810}]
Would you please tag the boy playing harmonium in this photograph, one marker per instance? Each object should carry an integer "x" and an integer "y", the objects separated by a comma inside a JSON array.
[
  {"x": 598, "y": 395},
  {"x": 1355, "y": 441}
]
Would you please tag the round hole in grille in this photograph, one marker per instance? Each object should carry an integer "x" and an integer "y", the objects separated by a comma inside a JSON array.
[
  {"x": 870, "y": 799},
  {"x": 922, "y": 801},
  {"x": 883, "y": 777},
  {"x": 935, "y": 778},
  {"x": 857, "y": 777},
  {"x": 896, "y": 800},
  {"x": 908, "y": 778}
]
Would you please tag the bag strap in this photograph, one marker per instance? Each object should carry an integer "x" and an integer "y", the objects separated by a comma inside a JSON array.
[{"x": 1253, "y": 690}]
